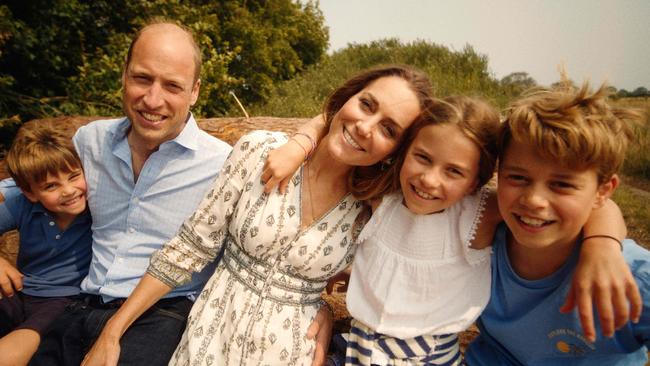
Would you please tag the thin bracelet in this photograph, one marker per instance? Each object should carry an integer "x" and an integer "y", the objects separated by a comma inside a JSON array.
[
  {"x": 311, "y": 140},
  {"x": 606, "y": 237},
  {"x": 302, "y": 147}
]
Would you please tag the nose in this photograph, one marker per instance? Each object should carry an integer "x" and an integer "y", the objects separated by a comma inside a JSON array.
[
  {"x": 364, "y": 127},
  {"x": 153, "y": 97},
  {"x": 431, "y": 178},
  {"x": 67, "y": 190},
  {"x": 533, "y": 198}
]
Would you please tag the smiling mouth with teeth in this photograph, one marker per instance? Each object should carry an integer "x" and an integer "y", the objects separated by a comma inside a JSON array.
[
  {"x": 532, "y": 221},
  {"x": 151, "y": 117},
  {"x": 423, "y": 195},
  {"x": 350, "y": 140},
  {"x": 72, "y": 201}
]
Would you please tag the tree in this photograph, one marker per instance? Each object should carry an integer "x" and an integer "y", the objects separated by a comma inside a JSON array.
[
  {"x": 65, "y": 57},
  {"x": 517, "y": 82},
  {"x": 452, "y": 72},
  {"x": 641, "y": 91}
]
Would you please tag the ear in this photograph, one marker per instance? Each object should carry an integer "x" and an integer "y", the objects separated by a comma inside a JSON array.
[
  {"x": 195, "y": 92},
  {"x": 606, "y": 190}
]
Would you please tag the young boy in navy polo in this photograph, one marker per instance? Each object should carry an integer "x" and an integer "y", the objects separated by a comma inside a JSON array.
[
  {"x": 55, "y": 238},
  {"x": 560, "y": 150}
]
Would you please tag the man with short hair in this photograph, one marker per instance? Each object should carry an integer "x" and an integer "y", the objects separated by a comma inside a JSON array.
[{"x": 146, "y": 173}]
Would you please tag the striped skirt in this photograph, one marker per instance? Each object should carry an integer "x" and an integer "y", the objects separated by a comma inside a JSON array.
[{"x": 419, "y": 351}]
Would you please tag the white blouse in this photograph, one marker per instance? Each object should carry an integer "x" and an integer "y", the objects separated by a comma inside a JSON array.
[{"x": 415, "y": 274}]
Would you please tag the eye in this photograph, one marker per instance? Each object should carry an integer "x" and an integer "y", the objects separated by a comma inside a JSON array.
[
  {"x": 563, "y": 185},
  {"x": 49, "y": 187},
  {"x": 456, "y": 172},
  {"x": 140, "y": 79},
  {"x": 75, "y": 175},
  {"x": 516, "y": 179},
  {"x": 174, "y": 88},
  {"x": 389, "y": 130},
  {"x": 422, "y": 158},
  {"x": 365, "y": 104}
]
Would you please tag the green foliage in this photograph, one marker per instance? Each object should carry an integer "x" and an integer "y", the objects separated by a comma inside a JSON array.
[
  {"x": 514, "y": 84},
  {"x": 65, "y": 56},
  {"x": 452, "y": 72}
]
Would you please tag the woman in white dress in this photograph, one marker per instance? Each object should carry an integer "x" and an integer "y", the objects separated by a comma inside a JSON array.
[{"x": 280, "y": 249}]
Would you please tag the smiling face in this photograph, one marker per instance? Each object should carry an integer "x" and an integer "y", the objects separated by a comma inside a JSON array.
[
  {"x": 63, "y": 194},
  {"x": 159, "y": 85},
  {"x": 371, "y": 123},
  {"x": 441, "y": 166},
  {"x": 544, "y": 203}
]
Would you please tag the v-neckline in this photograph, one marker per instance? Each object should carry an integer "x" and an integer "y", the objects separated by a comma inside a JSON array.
[{"x": 320, "y": 218}]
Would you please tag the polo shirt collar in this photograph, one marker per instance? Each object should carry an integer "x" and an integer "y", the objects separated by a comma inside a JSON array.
[{"x": 38, "y": 208}]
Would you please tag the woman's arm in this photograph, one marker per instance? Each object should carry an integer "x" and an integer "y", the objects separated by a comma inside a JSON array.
[
  {"x": 602, "y": 276},
  {"x": 106, "y": 350},
  {"x": 197, "y": 242},
  {"x": 283, "y": 162}
]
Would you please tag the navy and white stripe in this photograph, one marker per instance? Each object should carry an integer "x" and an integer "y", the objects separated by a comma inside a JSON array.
[{"x": 438, "y": 350}]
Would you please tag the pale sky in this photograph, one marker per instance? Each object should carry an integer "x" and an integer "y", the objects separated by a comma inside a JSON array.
[{"x": 600, "y": 39}]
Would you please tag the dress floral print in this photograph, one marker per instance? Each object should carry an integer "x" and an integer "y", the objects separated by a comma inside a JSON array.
[{"x": 256, "y": 308}]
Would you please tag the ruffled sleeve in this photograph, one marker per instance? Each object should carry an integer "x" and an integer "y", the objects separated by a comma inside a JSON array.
[
  {"x": 201, "y": 236},
  {"x": 471, "y": 213}
]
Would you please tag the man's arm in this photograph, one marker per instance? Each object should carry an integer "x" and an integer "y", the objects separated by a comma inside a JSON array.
[{"x": 106, "y": 349}]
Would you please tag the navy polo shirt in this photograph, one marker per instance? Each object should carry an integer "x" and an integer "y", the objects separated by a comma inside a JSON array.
[{"x": 53, "y": 261}]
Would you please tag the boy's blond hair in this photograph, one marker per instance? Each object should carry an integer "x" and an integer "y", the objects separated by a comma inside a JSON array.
[
  {"x": 40, "y": 148},
  {"x": 573, "y": 126}
]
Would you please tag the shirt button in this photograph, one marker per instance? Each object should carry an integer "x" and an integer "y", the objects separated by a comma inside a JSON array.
[
  {"x": 131, "y": 230},
  {"x": 58, "y": 236},
  {"x": 135, "y": 199},
  {"x": 51, "y": 223}
]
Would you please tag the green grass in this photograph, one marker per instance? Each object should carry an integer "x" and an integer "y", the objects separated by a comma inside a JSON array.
[{"x": 634, "y": 205}]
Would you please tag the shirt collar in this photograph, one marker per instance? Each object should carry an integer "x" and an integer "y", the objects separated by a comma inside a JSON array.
[
  {"x": 188, "y": 138},
  {"x": 83, "y": 217}
]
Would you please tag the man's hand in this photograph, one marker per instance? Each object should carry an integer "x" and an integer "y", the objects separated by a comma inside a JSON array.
[
  {"x": 11, "y": 280},
  {"x": 105, "y": 352},
  {"x": 602, "y": 277},
  {"x": 321, "y": 330}
]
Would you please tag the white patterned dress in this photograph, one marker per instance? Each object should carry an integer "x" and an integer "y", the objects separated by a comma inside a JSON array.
[{"x": 256, "y": 308}]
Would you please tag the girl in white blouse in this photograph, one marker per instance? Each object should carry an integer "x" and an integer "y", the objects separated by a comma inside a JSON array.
[{"x": 417, "y": 281}]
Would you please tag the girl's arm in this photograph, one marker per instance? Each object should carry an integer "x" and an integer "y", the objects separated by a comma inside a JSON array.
[
  {"x": 283, "y": 162},
  {"x": 602, "y": 276},
  {"x": 106, "y": 350}
]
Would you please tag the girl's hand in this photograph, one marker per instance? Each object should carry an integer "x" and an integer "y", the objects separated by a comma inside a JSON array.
[
  {"x": 281, "y": 164},
  {"x": 604, "y": 278}
]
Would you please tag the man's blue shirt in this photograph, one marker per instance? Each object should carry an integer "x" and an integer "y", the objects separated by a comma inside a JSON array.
[
  {"x": 133, "y": 219},
  {"x": 53, "y": 261}
]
